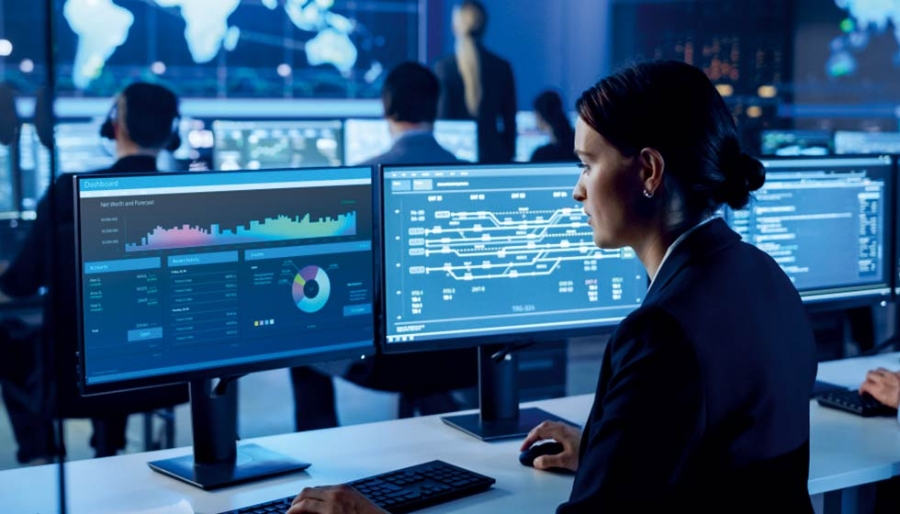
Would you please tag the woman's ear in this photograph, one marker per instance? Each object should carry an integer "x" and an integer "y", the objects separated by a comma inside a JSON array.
[{"x": 653, "y": 168}]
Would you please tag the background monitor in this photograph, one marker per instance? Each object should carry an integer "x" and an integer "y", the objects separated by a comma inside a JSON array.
[
  {"x": 276, "y": 144},
  {"x": 828, "y": 223},
  {"x": 846, "y": 142},
  {"x": 528, "y": 137},
  {"x": 80, "y": 148},
  {"x": 34, "y": 168},
  {"x": 186, "y": 277},
  {"x": 8, "y": 207},
  {"x": 459, "y": 137},
  {"x": 796, "y": 142},
  {"x": 365, "y": 139}
]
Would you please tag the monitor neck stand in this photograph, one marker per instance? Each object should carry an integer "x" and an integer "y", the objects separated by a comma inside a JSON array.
[
  {"x": 498, "y": 394},
  {"x": 217, "y": 460}
]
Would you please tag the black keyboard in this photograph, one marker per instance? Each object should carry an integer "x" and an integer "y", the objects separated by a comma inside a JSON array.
[
  {"x": 402, "y": 490},
  {"x": 855, "y": 403}
]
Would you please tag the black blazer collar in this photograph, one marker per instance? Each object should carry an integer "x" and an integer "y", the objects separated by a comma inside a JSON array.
[{"x": 706, "y": 240}]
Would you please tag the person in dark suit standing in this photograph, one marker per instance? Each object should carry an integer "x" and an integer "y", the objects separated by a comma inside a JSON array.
[
  {"x": 703, "y": 399},
  {"x": 424, "y": 380},
  {"x": 551, "y": 118},
  {"x": 478, "y": 85},
  {"x": 141, "y": 122}
]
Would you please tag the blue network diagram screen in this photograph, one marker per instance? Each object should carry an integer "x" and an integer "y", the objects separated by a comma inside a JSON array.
[
  {"x": 827, "y": 223},
  {"x": 255, "y": 145},
  {"x": 503, "y": 251},
  {"x": 189, "y": 273}
]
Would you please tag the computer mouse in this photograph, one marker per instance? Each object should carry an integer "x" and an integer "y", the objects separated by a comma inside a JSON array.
[{"x": 527, "y": 457}]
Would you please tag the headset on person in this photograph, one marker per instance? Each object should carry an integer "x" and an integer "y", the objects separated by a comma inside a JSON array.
[{"x": 108, "y": 129}]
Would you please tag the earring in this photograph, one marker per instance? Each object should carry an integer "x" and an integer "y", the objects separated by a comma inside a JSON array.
[{"x": 648, "y": 194}]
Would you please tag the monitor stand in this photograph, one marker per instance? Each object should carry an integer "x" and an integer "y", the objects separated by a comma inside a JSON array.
[
  {"x": 217, "y": 460},
  {"x": 498, "y": 397}
]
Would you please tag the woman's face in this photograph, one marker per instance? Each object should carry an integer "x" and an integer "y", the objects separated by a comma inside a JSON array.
[{"x": 609, "y": 188}]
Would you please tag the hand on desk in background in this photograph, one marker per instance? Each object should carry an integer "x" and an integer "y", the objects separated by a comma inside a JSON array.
[
  {"x": 567, "y": 435},
  {"x": 883, "y": 385},
  {"x": 338, "y": 499}
]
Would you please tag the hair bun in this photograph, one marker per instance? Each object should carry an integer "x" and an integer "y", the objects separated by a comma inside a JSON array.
[{"x": 743, "y": 175}]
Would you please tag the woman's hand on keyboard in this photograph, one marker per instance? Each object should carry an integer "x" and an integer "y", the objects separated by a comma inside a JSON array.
[
  {"x": 883, "y": 385},
  {"x": 339, "y": 499}
]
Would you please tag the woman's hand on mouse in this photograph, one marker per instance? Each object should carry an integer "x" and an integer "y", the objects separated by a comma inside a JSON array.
[
  {"x": 565, "y": 434},
  {"x": 339, "y": 499}
]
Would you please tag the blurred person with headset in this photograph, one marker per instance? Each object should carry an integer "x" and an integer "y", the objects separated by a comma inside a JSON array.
[{"x": 142, "y": 122}]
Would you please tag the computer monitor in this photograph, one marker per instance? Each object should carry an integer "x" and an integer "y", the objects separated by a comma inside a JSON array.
[
  {"x": 185, "y": 277},
  {"x": 496, "y": 255},
  {"x": 34, "y": 169},
  {"x": 8, "y": 207},
  {"x": 459, "y": 137},
  {"x": 281, "y": 144},
  {"x": 528, "y": 138},
  {"x": 788, "y": 143},
  {"x": 866, "y": 143},
  {"x": 828, "y": 223},
  {"x": 365, "y": 139},
  {"x": 80, "y": 149}
]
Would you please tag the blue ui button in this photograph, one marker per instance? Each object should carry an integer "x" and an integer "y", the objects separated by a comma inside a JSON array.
[
  {"x": 357, "y": 310},
  {"x": 145, "y": 334}
]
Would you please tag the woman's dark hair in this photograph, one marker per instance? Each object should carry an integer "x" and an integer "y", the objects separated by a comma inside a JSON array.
[
  {"x": 673, "y": 108},
  {"x": 549, "y": 106}
]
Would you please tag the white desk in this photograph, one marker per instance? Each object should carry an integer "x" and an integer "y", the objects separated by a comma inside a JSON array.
[{"x": 847, "y": 451}]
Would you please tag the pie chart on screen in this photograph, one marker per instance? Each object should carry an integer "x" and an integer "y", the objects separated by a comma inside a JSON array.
[{"x": 310, "y": 289}]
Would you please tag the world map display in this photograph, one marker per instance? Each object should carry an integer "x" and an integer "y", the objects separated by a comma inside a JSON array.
[
  {"x": 336, "y": 48},
  {"x": 866, "y": 18}
]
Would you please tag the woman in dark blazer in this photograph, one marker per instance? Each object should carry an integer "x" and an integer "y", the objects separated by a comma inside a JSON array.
[
  {"x": 478, "y": 85},
  {"x": 703, "y": 399}
]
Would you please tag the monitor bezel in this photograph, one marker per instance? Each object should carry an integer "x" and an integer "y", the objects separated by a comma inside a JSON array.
[
  {"x": 836, "y": 298},
  {"x": 222, "y": 371},
  {"x": 471, "y": 341}
]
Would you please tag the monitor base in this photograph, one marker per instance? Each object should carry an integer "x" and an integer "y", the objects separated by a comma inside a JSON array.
[
  {"x": 253, "y": 463},
  {"x": 529, "y": 418}
]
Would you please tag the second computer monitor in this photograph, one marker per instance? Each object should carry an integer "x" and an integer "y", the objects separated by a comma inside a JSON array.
[
  {"x": 827, "y": 222},
  {"x": 276, "y": 144},
  {"x": 495, "y": 253}
]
